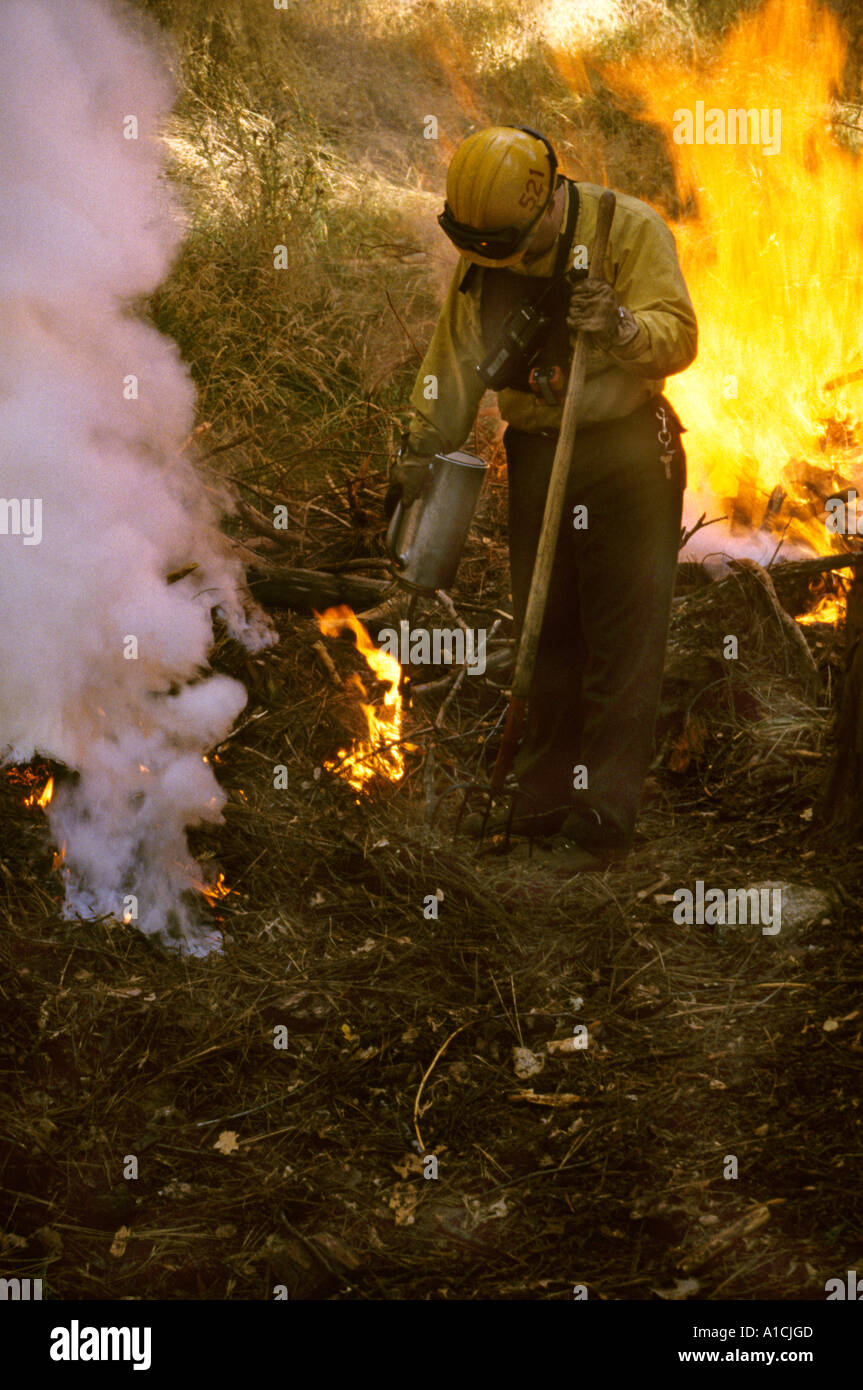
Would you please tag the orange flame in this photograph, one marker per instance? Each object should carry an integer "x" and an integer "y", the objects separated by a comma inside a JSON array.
[
  {"x": 830, "y": 609},
  {"x": 44, "y": 797},
  {"x": 381, "y": 753},
  {"x": 216, "y": 891},
  {"x": 774, "y": 264}
]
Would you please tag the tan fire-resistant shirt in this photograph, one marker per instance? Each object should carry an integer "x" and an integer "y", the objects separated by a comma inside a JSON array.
[{"x": 642, "y": 267}]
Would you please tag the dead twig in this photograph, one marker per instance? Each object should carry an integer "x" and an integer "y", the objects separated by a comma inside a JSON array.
[
  {"x": 701, "y": 523},
  {"x": 326, "y": 661},
  {"x": 426, "y": 1074},
  {"x": 259, "y": 524}
]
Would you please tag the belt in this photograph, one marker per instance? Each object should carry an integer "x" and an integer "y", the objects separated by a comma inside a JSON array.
[{"x": 615, "y": 419}]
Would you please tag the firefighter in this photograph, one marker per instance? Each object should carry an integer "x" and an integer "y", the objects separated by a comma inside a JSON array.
[{"x": 523, "y": 230}]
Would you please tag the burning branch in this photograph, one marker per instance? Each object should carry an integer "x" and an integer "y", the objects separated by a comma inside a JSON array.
[{"x": 381, "y": 753}]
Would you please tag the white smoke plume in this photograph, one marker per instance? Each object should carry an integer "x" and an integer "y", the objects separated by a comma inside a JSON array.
[{"x": 86, "y": 225}]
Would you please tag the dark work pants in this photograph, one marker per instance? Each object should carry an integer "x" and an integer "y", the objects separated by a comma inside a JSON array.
[{"x": 599, "y": 666}]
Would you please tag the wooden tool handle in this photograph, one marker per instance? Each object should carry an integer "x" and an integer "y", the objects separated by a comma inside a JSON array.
[
  {"x": 538, "y": 596},
  {"x": 568, "y": 423}
]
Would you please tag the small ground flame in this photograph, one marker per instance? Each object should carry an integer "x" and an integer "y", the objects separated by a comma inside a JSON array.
[
  {"x": 217, "y": 890},
  {"x": 381, "y": 754},
  {"x": 44, "y": 797}
]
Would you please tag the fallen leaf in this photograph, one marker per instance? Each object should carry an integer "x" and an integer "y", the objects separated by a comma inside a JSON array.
[
  {"x": 118, "y": 1244},
  {"x": 402, "y": 1203},
  {"x": 526, "y": 1063},
  {"x": 227, "y": 1142},
  {"x": 411, "y": 1163}
]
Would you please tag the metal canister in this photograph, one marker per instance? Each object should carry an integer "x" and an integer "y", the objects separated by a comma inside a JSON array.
[{"x": 426, "y": 539}]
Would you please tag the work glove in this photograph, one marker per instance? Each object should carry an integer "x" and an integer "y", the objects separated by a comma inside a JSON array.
[
  {"x": 408, "y": 477},
  {"x": 593, "y": 308}
]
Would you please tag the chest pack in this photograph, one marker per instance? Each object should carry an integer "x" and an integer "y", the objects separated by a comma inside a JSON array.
[{"x": 523, "y": 317}]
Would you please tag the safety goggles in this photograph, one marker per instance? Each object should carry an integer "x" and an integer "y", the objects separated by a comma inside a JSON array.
[{"x": 499, "y": 243}]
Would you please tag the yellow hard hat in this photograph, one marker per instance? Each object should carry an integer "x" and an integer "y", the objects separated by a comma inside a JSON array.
[{"x": 499, "y": 183}]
